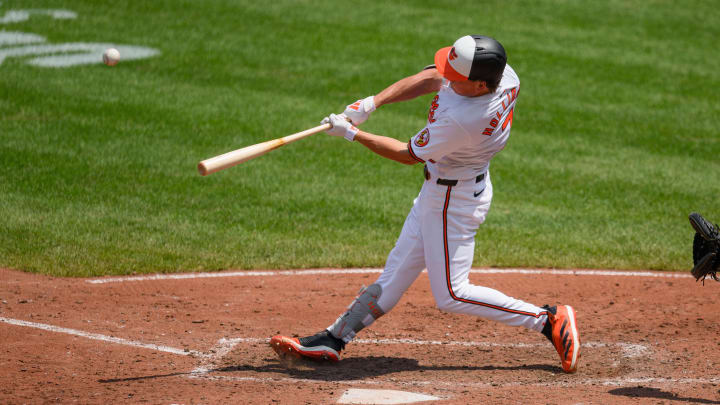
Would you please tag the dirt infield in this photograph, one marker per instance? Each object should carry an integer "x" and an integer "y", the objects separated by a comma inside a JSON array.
[{"x": 202, "y": 338}]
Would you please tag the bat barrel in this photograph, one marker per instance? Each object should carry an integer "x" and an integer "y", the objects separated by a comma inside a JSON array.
[{"x": 230, "y": 159}]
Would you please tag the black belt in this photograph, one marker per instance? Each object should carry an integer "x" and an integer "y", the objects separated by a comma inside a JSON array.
[{"x": 448, "y": 182}]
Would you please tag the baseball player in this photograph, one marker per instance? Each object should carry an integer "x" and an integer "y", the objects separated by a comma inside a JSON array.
[{"x": 468, "y": 122}]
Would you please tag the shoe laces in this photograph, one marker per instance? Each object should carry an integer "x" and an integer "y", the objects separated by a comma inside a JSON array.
[{"x": 323, "y": 338}]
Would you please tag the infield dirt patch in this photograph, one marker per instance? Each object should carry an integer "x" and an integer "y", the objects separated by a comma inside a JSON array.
[{"x": 649, "y": 338}]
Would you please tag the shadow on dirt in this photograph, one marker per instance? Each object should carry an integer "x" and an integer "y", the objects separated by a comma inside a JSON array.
[
  {"x": 357, "y": 368},
  {"x": 647, "y": 392}
]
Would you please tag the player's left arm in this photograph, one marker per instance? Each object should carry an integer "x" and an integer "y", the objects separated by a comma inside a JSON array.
[
  {"x": 384, "y": 146},
  {"x": 424, "y": 82}
]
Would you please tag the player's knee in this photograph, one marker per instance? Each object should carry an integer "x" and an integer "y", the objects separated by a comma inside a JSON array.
[
  {"x": 446, "y": 303},
  {"x": 449, "y": 302}
]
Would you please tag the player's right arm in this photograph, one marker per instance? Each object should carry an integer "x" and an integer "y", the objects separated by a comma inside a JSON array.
[
  {"x": 425, "y": 82},
  {"x": 384, "y": 146}
]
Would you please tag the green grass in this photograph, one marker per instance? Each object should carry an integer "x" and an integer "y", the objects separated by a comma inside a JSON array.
[{"x": 614, "y": 141}]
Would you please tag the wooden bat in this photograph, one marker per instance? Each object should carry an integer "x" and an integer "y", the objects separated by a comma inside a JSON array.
[{"x": 230, "y": 159}]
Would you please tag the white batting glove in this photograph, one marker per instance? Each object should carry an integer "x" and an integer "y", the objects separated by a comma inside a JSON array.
[
  {"x": 359, "y": 111},
  {"x": 340, "y": 126}
]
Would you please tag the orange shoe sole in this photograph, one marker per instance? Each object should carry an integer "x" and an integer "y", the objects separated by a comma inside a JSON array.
[
  {"x": 286, "y": 346},
  {"x": 569, "y": 359}
]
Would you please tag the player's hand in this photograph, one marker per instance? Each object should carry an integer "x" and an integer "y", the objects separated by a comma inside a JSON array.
[
  {"x": 359, "y": 111},
  {"x": 340, "y": 126}
]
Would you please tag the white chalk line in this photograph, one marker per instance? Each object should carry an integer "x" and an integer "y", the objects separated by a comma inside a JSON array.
[
  {"x": 225, "y": 346},
  {"x": 97, "y": 336},
  {"x": 220, "y": 350},
  {"x": 183, "y": 276},
  {"x": 629, "y": 350}
]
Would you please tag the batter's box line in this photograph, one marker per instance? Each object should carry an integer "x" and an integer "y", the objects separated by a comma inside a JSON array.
[
  {"x": 220, "y": 350},
  {"x": 101, "y": 337},
  {"x": 226, "y": 345}
]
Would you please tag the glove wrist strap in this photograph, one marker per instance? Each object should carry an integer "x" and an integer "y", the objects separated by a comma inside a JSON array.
[
  {"x": 369, "y": 104},
  {"x": 351, "y": 132}
]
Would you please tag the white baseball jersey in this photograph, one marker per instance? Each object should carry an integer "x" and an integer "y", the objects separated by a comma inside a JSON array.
[
  {"x": 464, "y": 133},
  {"x": 461, "y": 136}
]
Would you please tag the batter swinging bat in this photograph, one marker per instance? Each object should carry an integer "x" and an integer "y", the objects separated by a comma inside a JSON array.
[{"x": 230, "y": 159}]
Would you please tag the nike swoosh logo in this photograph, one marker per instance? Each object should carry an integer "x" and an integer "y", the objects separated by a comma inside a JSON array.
[{"x": 478, "y": 193}]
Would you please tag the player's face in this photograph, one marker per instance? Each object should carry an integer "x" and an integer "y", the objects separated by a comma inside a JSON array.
[{"x": 469, "y": 88}]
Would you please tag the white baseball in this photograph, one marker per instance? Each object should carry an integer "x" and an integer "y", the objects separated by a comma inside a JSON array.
[{"x": 111, "y": 56}]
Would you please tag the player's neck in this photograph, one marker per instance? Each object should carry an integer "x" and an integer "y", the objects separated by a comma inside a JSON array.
[{"x": 469, "y": 89}]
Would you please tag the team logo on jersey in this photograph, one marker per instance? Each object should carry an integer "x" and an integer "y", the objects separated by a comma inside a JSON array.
[{"x": 422, "y": 138}]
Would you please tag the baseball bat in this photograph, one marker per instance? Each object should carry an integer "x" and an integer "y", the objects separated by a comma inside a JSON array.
[{"x": 230, "y": 159}]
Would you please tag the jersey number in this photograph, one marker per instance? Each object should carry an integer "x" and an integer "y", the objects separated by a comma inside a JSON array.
[
  {"x": 508, "y": 119},
  {"x": 494, "y": 123}
]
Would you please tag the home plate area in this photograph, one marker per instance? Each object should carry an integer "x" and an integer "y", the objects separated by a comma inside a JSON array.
[
  {"x": 637, "y": 342},
  {"x": 647, "y": 337}
]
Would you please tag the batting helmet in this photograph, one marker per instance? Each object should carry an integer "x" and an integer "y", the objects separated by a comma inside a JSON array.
[{"x": 472, "y": 57}]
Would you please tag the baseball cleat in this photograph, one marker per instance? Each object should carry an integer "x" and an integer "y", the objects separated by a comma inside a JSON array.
[
  {"x": 564, "y": 336},
  {"x": 322, "y": 346}
]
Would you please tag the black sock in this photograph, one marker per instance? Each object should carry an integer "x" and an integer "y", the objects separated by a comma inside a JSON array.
[{"x": 547, "y": 329}]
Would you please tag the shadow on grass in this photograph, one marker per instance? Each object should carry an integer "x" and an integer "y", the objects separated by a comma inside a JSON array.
[{"x": 647, "y": 392}]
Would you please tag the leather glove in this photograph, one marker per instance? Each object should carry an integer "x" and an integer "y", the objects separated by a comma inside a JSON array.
[
  {"x": 706, "y": 248},
  {"x": 340, "y": 126},
  {"x": 359, "y": 111}
]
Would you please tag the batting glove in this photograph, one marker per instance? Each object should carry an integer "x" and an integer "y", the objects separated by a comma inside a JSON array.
[
  {"x": 340, "y": 126},
  {"x": 359, "y": 111}
]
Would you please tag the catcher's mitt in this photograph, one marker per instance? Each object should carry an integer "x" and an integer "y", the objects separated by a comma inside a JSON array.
[{"x": 706, "y": 248}]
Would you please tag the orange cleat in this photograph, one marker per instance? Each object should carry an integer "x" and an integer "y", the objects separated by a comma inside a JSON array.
[
  {"x": 565, "y": 336},
  {"x": 322, "y": 346}
]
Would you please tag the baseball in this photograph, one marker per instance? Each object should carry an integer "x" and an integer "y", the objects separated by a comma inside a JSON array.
[{"x": 111, "y": 56}]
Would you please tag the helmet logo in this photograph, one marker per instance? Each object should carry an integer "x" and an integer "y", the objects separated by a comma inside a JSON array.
[{"x": 452, "y": 55}]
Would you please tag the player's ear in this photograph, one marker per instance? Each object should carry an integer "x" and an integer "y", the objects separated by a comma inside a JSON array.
[{"x": 481, "y": 85}]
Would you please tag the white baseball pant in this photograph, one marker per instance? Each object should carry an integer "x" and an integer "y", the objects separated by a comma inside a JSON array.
[{"x": 439, "y": 234}]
